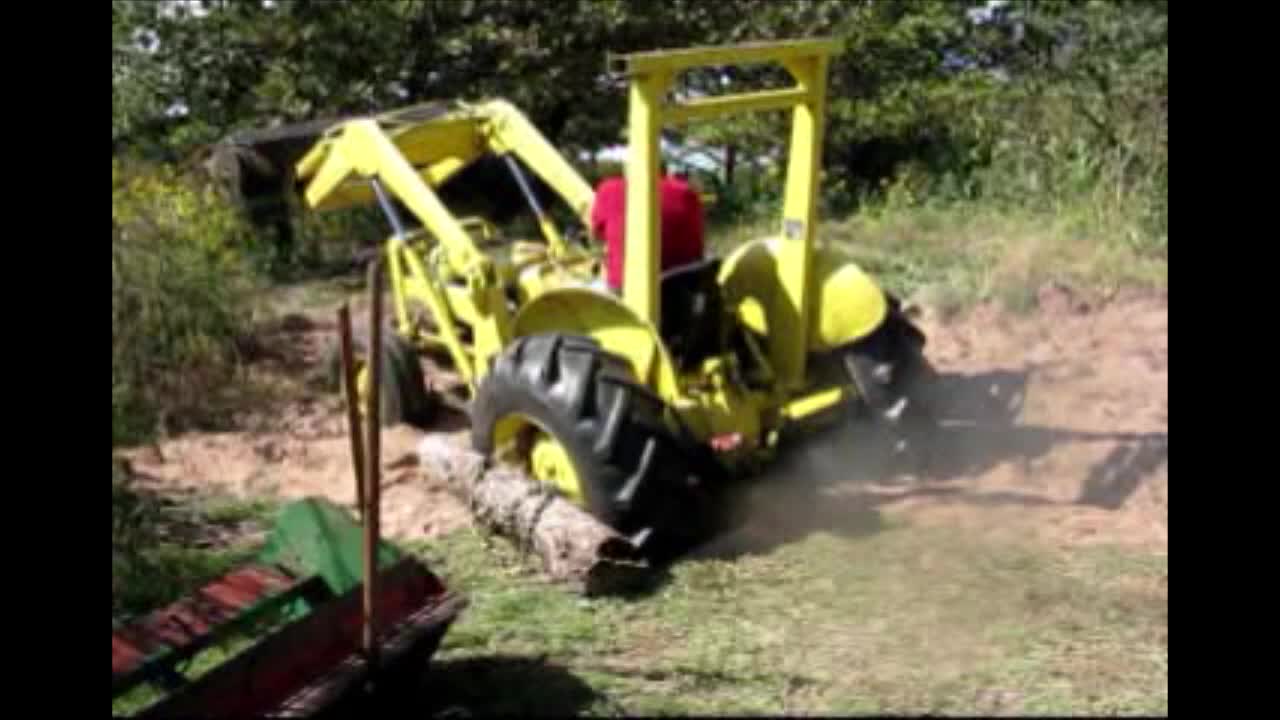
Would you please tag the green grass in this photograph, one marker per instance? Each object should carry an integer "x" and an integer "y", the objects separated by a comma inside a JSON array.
[
  {"x": 162, "y": 548},
  {"x": 143, "y": 695},
  {"x": 234, "y": 511},
  {"x": 908, "y": 620},
  {"x": 952, "y": 256},
  {"x": 905, "y": 619}
]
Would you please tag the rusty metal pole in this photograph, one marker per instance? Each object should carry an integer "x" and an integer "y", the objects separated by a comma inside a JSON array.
[
  {"x": 354, "y": 428},
  {"x": 373, "y": 466}
]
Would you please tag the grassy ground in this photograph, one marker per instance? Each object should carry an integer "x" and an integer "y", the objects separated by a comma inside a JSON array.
[
  {"x": 905, "y": 620},
  {"x": 953, "y": 257}
]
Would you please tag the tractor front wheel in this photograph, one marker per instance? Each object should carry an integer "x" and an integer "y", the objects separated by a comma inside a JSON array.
[
  {"x": 405, "y": 398},
  {"x": 573, "y": 415}
]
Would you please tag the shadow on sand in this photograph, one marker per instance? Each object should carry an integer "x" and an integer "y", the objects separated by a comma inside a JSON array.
[{"x": 838, "y": 480}]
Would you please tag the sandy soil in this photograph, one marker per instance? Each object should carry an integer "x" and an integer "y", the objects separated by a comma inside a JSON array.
[{"x": 1054, "y": 423}]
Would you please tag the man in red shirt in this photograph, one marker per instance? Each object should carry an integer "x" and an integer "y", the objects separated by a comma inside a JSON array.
[{"x": 682, "y": 225}]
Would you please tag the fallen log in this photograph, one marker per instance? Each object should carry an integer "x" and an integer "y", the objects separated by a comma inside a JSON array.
[{"x": 574, "y": 547}]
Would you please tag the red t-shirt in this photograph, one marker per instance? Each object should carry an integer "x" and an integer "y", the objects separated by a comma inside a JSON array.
[{"x": 682, "y": 229}]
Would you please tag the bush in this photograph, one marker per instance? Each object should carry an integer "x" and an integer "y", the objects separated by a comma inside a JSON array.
[{"x": 179, "y": 299}]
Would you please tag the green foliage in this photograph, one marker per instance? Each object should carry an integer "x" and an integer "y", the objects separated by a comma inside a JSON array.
[
  {"x": 1089, "y": 116},
  {"x": 1037, "y": 103},
  {"x": 180, "y": 284},
  {"x": 1049, "y": 110},
  {"x": 245, "y": 64},
  {"x": 326, "y": 242},
  {"x": 1045, "y": 107}
]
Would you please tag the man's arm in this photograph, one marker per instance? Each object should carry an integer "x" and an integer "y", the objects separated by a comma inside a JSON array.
[
  {"x": 602, "y": 207},
  {"x": 597, "y": 220}
]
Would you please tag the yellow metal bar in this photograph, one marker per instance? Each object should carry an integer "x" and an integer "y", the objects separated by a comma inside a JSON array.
[
  {"x": 813, "y": 404},
  {"x": 418, "y": 279},
  {"x": 373, "y": 154},
  {"x": 650, "y": 75},
  {"x": 315, "y": 157},
  {"x": 555, "y": 242},
  {"x": 329, "y": 168},
  {"x": 789, "y": 339},
  {"x": 395, "y": 272},
  {"x": 705, "y": 108},
  {"x": 358, "y": 193},
  {"x": 437, "y": 341},
  {"x": 643, "y": 223},
  {"x": 672, "y": 61},
  {"x": 492, "y": 330},
  {"x": 510, "y": 131}
]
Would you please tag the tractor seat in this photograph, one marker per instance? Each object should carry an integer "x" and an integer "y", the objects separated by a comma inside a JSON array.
[{"x": 692, "y": 312}]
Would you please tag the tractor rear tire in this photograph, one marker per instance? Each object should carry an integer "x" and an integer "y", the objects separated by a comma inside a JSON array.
[
  {"x": 405, "y": 398},
  {"x": 902, "y": 400},
  {"x": 635, "y": 475},
  {"x": 889, "y": 365}
]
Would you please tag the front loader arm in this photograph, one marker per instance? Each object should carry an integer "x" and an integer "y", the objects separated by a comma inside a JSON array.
[
  {"x": 507, "y": 130},
  {"x": 361, "y": 148},
  {"x": 438, "y": 148}
]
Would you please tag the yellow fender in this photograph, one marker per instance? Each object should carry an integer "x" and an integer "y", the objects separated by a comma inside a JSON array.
[
  {"x": 847, "y": 303},
  {"x": 582, "y": 311}
]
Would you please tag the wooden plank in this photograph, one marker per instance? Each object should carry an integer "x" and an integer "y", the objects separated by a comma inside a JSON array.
[
  {"x": 373, "y": 458},
  {"x": 264, "y": 676},
  {"x": 248, "y": 585},
  {"x": 354, "y": 430},
  {"x": 184, "y": 628}
]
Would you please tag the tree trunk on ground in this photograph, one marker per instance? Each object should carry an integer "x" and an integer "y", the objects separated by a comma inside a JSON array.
[{"x": 574, "y": 547}]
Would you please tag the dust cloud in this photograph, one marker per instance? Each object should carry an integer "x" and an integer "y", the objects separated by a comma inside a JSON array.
[{"x": 1057, "y": 427}]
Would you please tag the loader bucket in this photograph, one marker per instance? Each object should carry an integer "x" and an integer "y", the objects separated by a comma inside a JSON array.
[
  {"x": 309, "y": 575},
  {"x": 256, "y": 169}
]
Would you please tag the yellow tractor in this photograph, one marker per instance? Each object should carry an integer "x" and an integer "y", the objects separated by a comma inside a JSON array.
[{"x": 636, "y": 406}]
